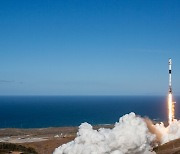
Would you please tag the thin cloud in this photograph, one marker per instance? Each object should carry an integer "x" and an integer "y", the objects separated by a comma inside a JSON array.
[
  {"x": 10, "y": 81},
  {"x": 6, "y": 81}
]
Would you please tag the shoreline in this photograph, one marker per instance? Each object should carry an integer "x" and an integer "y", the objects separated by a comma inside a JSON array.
[{"x": 43, "y": 140}]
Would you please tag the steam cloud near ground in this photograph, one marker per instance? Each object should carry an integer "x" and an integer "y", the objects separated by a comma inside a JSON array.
[{"x": 131, "y": 135}]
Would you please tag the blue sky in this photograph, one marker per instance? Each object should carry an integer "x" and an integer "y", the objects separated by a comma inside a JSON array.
[{"x": 89, "y": 47}]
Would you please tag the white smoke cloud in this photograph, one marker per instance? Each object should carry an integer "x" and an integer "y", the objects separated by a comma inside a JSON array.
[
  {"x": 129, "y": 136},
  {"x": 170, "y": 132}
]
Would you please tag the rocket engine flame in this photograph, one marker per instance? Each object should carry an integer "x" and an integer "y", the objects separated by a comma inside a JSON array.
[{"x": 170, "y": 109}]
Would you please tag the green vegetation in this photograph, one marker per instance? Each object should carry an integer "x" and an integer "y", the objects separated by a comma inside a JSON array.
[{"x": 9, "y": 148}]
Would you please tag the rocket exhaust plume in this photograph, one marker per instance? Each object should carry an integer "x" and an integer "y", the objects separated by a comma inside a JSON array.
[{"x": 170, "y": 102}]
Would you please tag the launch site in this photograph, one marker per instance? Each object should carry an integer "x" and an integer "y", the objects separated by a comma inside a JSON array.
[{"x": 89, "y": 77}]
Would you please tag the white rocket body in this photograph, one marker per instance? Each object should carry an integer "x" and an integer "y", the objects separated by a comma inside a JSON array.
[
  {"x": 170, "y": 76},
  {"x": 171, "y": 105}
]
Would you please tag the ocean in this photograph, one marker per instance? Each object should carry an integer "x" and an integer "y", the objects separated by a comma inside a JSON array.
[{"x": 57, "y": 111}]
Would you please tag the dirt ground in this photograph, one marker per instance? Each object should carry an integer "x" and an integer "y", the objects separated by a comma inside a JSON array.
[
  {"x": 43, "y": 140},
  {"x": 47, "y": 147},
  {"x": 172, "y": 147}
]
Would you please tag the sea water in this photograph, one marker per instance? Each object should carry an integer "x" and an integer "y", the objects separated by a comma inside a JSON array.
[{"x": 56, "y": 111}]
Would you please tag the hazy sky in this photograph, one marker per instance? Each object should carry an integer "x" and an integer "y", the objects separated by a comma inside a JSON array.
[{"x": 88, "y": 47}]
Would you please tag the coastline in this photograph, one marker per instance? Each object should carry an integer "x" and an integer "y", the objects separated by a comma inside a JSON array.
[{"x": 43, "y": 140}]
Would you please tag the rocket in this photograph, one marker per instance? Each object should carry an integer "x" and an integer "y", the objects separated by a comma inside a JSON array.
[
  {"x": 171, "y": 104},
  {"x": 170, "y": 71}
]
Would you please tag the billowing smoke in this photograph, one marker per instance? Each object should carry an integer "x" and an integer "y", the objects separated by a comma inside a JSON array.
[
  {"x": 129, "y": 136},
  {"x": 170, "y": 132},
  {"x": 152, "y": 128}
]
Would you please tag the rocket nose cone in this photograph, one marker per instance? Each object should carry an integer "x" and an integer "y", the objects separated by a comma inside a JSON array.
[{"x": 170, "y": 61}]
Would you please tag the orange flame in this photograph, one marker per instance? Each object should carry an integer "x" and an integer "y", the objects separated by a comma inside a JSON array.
[{"x": 170, "y": 108}]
